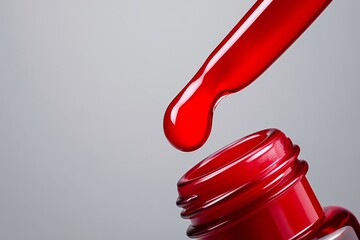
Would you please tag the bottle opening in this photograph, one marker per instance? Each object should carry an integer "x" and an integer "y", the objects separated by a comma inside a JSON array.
[
  {"x": 249, "y": 181},
  {"x": 227, "y": 155}
]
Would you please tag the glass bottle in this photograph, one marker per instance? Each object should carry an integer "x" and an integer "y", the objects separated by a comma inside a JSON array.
[{"x": 256, "y": 188}]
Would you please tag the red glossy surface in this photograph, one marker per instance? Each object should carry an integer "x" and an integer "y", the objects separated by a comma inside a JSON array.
[
  {"x": 260, "y": 37},
  {"x": 335, "y": 218},
  {"x": 254, "y": 189}
]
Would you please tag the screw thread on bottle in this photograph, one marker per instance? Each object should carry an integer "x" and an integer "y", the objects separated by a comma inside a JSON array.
[{"x": 249, "y": 184}]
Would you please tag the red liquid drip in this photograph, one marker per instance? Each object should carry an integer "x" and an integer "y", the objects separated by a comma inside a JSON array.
[{"x": 260, "y": 37}]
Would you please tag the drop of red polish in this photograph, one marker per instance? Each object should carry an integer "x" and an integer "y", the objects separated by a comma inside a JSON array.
[{"x": 259, "y": 38}]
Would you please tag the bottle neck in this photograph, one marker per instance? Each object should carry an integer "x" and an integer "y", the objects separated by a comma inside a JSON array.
[{"x": 253, "y": 188}]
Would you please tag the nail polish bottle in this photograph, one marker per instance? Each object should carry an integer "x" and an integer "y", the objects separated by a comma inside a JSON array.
[{"x": 256, "y": 189}]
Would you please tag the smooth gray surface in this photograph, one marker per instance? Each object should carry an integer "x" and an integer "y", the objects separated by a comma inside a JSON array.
[
  {"x": 345, "y": 233},
  {"x": 83, "y": 89}
]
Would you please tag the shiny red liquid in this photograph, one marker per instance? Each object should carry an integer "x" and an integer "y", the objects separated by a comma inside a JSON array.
[
  {"x": 256, "y": 189},
  {"x": 260, "y": 37}
]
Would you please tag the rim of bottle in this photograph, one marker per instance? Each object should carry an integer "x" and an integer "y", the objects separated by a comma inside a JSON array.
[{"x": 243, "y": 177}]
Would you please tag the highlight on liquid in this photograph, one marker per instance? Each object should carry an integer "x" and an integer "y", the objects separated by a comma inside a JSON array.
[{"x": 260, "y": 37}]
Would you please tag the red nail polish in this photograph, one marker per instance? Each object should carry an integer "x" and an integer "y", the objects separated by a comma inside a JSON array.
[
  {"x": 256, "y": 188},
  {"x": 259, "y": 38}
]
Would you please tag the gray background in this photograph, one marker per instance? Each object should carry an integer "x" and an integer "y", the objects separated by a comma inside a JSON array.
[{"x": 83, "y": 89}]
